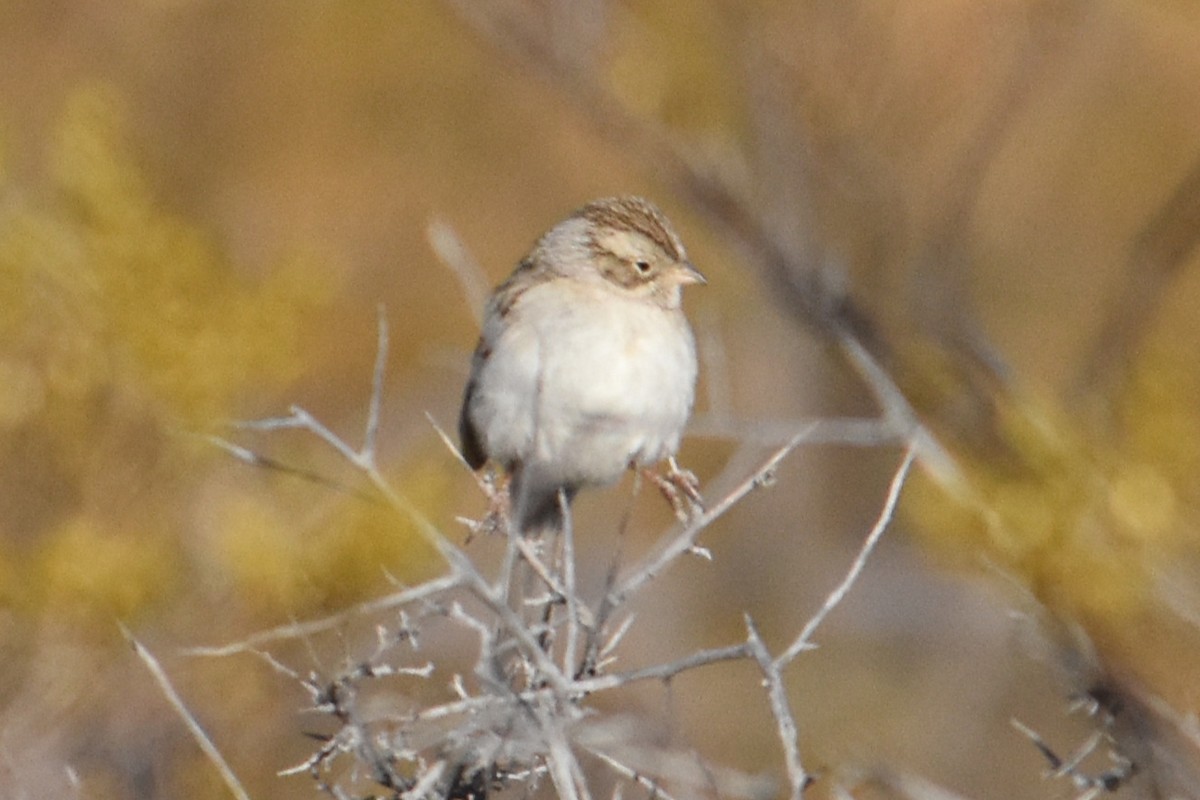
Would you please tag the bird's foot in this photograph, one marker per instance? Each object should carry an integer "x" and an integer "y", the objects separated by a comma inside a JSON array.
[
  {"x": 499, "y": 512},
  {"x": 681, "y": 487}
]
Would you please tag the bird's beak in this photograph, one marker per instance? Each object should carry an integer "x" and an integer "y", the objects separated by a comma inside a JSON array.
[{"x": 689, "y": 274}]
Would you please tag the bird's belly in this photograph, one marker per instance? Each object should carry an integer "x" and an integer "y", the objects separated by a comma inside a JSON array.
[{"x": 613, "y": 392}]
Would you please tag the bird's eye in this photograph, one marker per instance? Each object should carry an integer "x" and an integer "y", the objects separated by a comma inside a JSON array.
[{"x": 643, "y": 267}]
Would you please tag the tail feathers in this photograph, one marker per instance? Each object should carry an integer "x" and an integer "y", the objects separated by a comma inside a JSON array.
[{"x": 536, "y": 507}]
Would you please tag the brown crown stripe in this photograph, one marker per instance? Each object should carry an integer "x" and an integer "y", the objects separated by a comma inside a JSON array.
[{"x": 637, "y": 216}]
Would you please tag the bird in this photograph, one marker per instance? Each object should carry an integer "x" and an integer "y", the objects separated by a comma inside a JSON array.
[{"x": 586, "y": 365}]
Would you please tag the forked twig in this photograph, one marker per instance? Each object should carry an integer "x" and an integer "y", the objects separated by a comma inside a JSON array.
[
  {"x": 833, "y": 600},
  {"x": 781, "y": 710}
]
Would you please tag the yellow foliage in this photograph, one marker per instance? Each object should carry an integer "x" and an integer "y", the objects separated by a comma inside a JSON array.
[
  {"x": 1142, "y": 502},
  {"x": 1069, "y": 521},
  {"x": 257, "y": 549},
  {"x": 364, "y": 543},
  {"x": 122, "y": 325},
  {"x": 287, "y": 565},
  {"x": 13, "y": 590},
  {"x": 1083, "y": 512},
  {"x": 98, "y": 575},
  {"x": 114, "y": 289},
  {"x": 22, "y": 392},
  {"x": 1160, "y": 411},
  {"x": 663, "y": 66}
]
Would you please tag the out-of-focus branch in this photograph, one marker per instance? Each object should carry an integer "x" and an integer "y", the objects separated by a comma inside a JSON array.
[
  {"x": 1163, "y": 248},
  {"x": 452, "y": 252},
  {"x": 812, "y": 293},
  {"x": 799, "y": 274},
  {"x": 193, "y": 725}
]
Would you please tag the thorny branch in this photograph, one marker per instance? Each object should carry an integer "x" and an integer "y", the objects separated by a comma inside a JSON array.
[
  {"x": 523, "y": 713},
  {"x": 542, "y": 651}
]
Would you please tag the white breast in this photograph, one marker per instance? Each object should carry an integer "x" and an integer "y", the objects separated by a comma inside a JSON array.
[{"x": 582, "y": 380}]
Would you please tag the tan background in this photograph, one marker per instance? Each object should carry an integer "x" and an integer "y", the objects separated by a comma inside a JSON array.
[{"x": 203, "y": 201}]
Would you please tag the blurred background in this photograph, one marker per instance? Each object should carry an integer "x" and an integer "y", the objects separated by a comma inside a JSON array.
[{"x": 203, "y": 202}]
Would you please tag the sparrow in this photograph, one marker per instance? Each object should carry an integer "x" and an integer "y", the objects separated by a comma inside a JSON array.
[{"x": 586, "y": 365}]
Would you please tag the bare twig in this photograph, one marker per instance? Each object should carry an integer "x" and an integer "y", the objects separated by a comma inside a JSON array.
[
  {"x": 303, "y": 630},
  {"x": 564, "y": 769},
  {"x": 371, "y": 439},
  {"x": 449, "y": 442},
  {"x": 570, "y": 649},
  {"x": 193, "y": 725},
  {"x": 781, "y": 710},
  {"x": 663, "y": 672},
  {"x": 646, "y": 782},
  {"x": 833, "y": 600},
  {"x": 617, "y": 742},
  {"x": 451, "y": 251},
  {"x": 461, "y": 564},
  {"x": 254, "y": 459},
  {"x": 685, "y": 540}
]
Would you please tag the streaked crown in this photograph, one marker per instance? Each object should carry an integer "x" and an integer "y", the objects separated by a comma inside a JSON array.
[{"x": 635, "y": 215}]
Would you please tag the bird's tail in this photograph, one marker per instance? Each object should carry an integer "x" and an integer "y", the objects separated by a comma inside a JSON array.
[{"x": 537, "y": 510}]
